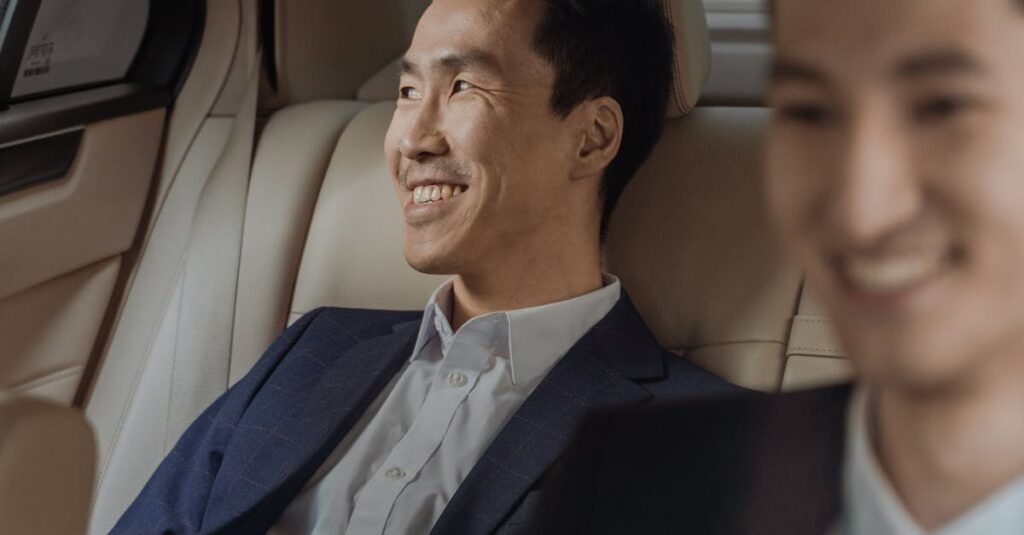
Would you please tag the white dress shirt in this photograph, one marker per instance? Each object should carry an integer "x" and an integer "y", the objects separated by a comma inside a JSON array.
[
  {"x": 398, "y": 467},
  {"x": 872, "y": 507}
]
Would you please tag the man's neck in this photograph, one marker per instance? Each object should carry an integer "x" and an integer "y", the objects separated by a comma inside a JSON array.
[
  {"x": 946, "y": 451},
  {"x": 533, "y": 283}
]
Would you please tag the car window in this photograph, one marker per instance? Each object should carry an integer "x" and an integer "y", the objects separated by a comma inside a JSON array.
[
  {"x": 5, "y": 19},
  {"x": 741, "y": 52},
  {"x": 75, "y": 43},
  {"x": 721, "y": 6}
]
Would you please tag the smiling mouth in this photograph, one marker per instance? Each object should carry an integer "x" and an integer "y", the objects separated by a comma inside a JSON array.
[
  {"x": 422, "y": 195},
  {"x": 892, "y": 275}
]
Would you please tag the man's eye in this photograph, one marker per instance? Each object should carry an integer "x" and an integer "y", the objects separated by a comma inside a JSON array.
[
  {"x": 461, "y": 85},
  {"x": 806, "y": 114},
  {"x": 941, "y": 108},
  {"x": 409, "y": 93}
]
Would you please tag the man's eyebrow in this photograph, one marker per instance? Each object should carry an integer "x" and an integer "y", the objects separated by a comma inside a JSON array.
[
  {"x": 937, "y": 62},
  {"x": 454, "y": 61},
  {"x": 791, "y": 71},
  {"x": 408, "y": 67}
]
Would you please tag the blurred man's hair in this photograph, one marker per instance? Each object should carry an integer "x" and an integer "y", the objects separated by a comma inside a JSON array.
[{"x": 618, "y": 48}]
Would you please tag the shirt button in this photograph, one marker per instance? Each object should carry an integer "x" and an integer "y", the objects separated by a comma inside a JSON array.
[
  {"x": 394, "y": 473},
  {"x": 457, "y": 379}
]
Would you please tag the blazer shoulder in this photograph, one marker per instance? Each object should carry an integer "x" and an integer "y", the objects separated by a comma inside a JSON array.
[
  {"x": 685, "y": 380},
  {"x": 357, "y": 320},
  {"x": 329, "y": 327}
]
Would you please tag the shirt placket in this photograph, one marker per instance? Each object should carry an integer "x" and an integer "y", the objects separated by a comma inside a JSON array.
[{"x": 451, "y": 385}]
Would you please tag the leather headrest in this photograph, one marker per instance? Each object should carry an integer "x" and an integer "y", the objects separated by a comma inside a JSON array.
[
  {"x": 692, "y": 55},
  {"x": 690, "y": 70},
  {"x": 326, "y": 49}
]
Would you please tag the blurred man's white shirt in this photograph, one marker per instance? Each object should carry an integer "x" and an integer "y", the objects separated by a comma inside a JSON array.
[{"x": 871, "y": 506}]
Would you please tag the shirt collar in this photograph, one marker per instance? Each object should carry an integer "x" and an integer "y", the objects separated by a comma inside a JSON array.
[
  {"x": 871, "y": 505},
  {"x": 533, "y": 339},
  {"x": 434, "y": 315}
]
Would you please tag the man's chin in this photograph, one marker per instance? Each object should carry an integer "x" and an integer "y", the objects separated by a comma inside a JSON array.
[
  {"x": 429, "y": 264},
  {"x": 913, "y": 368}
]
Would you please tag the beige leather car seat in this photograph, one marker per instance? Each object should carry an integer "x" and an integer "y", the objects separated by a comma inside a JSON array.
[
  {"x": 214, "y": 281},
  {"x": 47, "y": 459}
]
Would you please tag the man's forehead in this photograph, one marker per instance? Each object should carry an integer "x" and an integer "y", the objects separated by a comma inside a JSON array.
[
  {"x": 492, "y": 34},
  {"x": 451, "y": 59},
  {"x": 476, "y": 20},
  {"x": 863, "y": 36}
]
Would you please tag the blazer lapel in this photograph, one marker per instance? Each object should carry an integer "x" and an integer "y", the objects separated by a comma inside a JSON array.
[
  {"x": 296, "y": 421},
  {"x": 599, "y": 370}
]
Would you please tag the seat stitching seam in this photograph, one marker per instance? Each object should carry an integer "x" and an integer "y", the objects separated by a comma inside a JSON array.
[
  {"x": 51, "y": 377},
  {"x": 821, "y": 349},
  {"x": 730, "y": 343},
  {"x": 137, "y": 379}
]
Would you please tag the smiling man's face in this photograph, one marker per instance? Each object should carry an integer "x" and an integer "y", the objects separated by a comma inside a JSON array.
[
  {"x": 480, "y": 161},
  {"x": 896, "y": 173}
]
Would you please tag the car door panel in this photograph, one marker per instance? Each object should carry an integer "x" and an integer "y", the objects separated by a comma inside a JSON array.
[
  {"x": 78, "y": 163},
  {"x": 62, "y": 242}
]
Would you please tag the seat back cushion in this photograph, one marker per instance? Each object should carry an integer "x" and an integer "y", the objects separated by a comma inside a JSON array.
[
  {"x": 693, "y": 245},
  {"x": 353, "y": 256}
]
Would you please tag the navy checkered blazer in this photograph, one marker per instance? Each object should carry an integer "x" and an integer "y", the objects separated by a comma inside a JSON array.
[{"x": 249, "y": 454}]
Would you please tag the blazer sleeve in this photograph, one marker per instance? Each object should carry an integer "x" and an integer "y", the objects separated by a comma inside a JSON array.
[{"x": 174, "y": 499}]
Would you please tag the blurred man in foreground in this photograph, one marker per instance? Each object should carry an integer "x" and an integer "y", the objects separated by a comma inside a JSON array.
[{"x": 896, "y": 176}]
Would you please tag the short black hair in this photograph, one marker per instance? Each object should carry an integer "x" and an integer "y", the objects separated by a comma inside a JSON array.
[{"x": 623, "y": 49}]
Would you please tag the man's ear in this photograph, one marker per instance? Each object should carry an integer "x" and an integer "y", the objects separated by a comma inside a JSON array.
[{"x": 601, "y": 128}]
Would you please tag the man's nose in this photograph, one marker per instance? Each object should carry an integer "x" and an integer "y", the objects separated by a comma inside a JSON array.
[
  {"x": 878, "y": 189},
  {"x": 424, "y": 137}
]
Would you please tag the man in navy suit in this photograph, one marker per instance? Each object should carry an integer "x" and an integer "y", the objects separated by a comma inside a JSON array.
[{"x": 518, "y": 124}]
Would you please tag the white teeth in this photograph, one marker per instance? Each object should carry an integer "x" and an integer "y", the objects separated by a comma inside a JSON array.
[
  {"x": 429, "y": 194},
  {"x": 891, "y": 274}
]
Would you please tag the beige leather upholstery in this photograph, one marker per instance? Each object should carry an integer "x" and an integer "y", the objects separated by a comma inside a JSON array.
[
  {"x": 693, "y": 53},
  {"x": 814, "y": 355},
  {"x": 48, "y": 331},
  {"x": 292, "y": 158},
  {"x": 692, "y": 244},
  {"x": 61, "y": 249},
  {"x": 47, "y": 458},
  {"x": 314, "y": 37},
  {"x": 132, "y": 403},
  {"x": 383, "y": 85},
  {"x": 353, "y": 255},
  {"x": 44, "y": 226}
]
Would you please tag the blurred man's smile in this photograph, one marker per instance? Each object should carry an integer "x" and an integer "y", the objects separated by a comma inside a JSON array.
[{"x": 894, "y": 277}]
